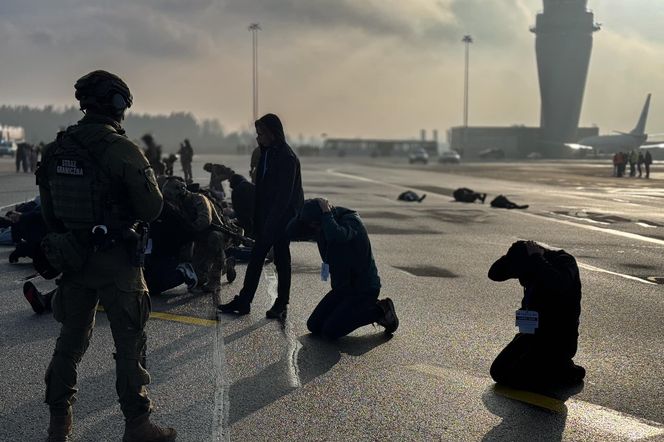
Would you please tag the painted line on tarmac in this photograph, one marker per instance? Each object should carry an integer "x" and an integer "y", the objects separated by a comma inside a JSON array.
[
  {"x": 599, "y": 418},
  {"x": 598, "y": 229},
  {"x": 292, "y": 344},
  {"x": 360, "y": 178},
  {"x": 184, "y": 319},
  {"x": 220, "y": 429},
  {"x": 191, "y": 320},
  {"x": 570, "y": 223},
  {"x": 621, "y": 275}
]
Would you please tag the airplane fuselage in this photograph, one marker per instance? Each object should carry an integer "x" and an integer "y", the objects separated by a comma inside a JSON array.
[{"x": 614, "y": 143}]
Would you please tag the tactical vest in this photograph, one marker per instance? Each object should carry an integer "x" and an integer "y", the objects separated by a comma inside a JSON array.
[{"x": 82, "y": 191}]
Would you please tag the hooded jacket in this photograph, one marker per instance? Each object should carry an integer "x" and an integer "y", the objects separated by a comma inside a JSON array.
[
  {"x": 553, "y": 289},
  {"x": 343, "y": 244},
  {"x": 279, "y": 195}
]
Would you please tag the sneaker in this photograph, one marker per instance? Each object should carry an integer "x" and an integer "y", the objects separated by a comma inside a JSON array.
[
  {"x": 188, "y": 274},
  {"x": 278, "y": 310},
  {"x": 389, "y": 319},
  {"x": 235, "y": 307},
  {"x": 35, "y": 298}
]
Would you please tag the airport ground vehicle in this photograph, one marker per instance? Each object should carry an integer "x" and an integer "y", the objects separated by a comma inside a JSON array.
[
  {"x": 418, "y": 156},
  {"x": 8, "y": 148},
  {"x": 450, "y": 157}
]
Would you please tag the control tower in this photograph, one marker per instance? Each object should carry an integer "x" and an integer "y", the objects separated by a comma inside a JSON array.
[{"x": 564, "y": 39}]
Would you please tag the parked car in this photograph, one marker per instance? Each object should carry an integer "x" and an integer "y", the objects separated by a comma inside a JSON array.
[
  {"x": 418, "y": 156},
  {"x": 534, "y": 156},
  {"x": 491, "y": 154},
  {"x": 450, "y": 157},
  {"x": 8, "y": 148}
]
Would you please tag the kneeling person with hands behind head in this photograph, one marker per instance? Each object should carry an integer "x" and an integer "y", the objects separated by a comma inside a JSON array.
[
  {"x": 345, "y": 249},
  {"x": 540, "y": 355}
]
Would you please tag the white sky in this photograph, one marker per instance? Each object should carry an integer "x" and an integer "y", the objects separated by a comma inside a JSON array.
[{"x": 379, "y": 68}]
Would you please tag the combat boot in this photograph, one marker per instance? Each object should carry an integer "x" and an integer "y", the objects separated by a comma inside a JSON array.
[
  {"x": 59, "y": 429},
  {"x": 141, "y": 429}
]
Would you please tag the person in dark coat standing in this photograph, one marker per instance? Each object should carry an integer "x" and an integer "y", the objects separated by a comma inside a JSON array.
[
  {"x": 540, "y": 355},
  {"x": 647, "y": 161},
  {"x": 345, "y": 249},
  {"x": 278, "y": 199}
]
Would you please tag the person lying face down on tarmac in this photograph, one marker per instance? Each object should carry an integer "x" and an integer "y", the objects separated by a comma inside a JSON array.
[
  {"x": 411, "y": 197},
  {"x": 466, "y": 195},
  {"x": 540, "y": 355},
  {"x": 345, "y": 250}
]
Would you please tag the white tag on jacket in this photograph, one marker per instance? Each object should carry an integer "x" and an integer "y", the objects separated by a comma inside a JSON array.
[
  {"x": 527, "y": 321},
  {"x": 324, "y": 271}
]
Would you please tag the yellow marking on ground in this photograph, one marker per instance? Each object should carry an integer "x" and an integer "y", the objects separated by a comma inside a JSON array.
[
  {"x": 177, "y": 318},
  {"x": 539, "y": 400},
  {"x": 578, "y": 412},
  {"x": 183, "y": 319}
]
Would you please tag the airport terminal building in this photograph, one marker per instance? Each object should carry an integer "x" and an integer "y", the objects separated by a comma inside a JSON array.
[{"x": 514, "y": 142}]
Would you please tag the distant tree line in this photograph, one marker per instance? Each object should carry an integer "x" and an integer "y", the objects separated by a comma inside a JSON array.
[{"x": 206, "y": 136}]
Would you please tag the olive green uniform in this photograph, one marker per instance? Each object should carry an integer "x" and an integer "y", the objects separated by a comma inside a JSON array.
[
  {"x": 123, "y": 190},
  {"x": 208, "y": 258}
]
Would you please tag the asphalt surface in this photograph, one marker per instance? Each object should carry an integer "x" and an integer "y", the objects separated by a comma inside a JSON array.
[{"x": 251, "y": 379}]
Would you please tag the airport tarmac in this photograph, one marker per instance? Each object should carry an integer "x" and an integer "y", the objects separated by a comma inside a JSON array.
[{"x": 251, "y": 379}]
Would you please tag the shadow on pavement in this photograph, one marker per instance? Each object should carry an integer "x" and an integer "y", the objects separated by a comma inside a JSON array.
[
  {"x": 524, "y": 422},
  {"x": 312, "y": 357}
]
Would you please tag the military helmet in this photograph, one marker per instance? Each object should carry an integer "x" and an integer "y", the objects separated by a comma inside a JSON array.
[
  {"x": 104, "y": 91},
  {"x": 173, "y": 188}
]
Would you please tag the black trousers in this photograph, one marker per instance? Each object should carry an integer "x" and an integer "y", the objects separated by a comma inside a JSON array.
[
  {"x": 526, "y": 363},
  {"x": 337, "y": 315},
  {"x": 282, "y": 261},
  {"x": 161, "y": 274}
]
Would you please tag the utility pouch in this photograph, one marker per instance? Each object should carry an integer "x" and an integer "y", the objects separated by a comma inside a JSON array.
[
  {"x": 136, "y": 238},
  {"x": 64, "y": 252}
]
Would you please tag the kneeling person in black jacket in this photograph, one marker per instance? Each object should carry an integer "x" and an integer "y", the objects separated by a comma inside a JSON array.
[
  {"x": 540, "y": 355},
  {"x": 345, "y": 249}
]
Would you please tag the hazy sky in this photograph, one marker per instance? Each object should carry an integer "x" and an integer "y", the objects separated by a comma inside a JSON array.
[{"x": 380, "y": 68}]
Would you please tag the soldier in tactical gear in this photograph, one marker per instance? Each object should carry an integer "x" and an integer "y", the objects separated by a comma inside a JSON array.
[
  {"x": 201, "y": 217},
  {"x": 94, "y": 183}
]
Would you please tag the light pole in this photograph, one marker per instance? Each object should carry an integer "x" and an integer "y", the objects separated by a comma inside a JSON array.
[
  {"x": 254, "y": 28},
  {"x": 467, "y": 39}
]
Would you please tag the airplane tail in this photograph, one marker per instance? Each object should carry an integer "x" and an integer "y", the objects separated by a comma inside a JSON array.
[{"x": 640, "y": 128}]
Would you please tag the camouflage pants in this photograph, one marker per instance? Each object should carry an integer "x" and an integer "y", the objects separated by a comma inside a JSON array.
[
  {"x": 208, "y": 259},
  {"x": 74, "y": 305}
]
